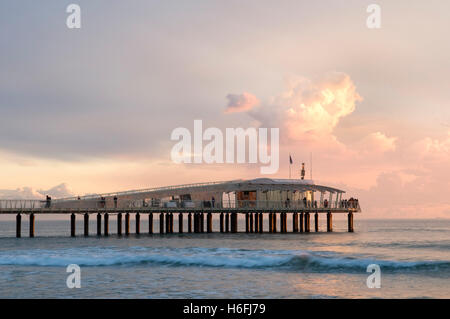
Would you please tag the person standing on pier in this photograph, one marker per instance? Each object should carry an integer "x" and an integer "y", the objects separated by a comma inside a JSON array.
[{"x": 48, "y": 202}]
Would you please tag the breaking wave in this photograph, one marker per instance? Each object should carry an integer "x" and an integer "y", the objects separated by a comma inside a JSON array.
[{"x": 290, "y": 260}]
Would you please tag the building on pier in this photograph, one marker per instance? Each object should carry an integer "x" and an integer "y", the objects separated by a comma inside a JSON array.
[
  {"x": 260, "y": 193},
  {"x": 273, "y": 198}
]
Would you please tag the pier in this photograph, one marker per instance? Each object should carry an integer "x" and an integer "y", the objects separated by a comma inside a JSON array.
[{"x": 264, "y": 205}]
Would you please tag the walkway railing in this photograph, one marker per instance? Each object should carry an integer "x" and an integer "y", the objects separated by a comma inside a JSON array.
[
  {"x": 96, "y": 203},
  {"x": 137, "y": 191}
]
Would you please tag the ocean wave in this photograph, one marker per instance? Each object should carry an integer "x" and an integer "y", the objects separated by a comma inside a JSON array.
[
  {"x": 290, "y": 260},
  {"x": 444, "y": 245}
]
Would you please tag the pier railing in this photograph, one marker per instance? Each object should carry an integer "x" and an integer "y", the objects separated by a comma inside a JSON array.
[
  {"x": 155, "y": 204},
  {"x": 144, "y": 190}
]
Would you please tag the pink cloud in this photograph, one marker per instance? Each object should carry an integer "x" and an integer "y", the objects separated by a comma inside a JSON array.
[
  {"x": 61, "y": 190},
  {"x": 377, "y": 143},
  {"x": 309, "y": 110},
  {"x": 315, "y": 107},
  {"x": 432, "y": 149}
]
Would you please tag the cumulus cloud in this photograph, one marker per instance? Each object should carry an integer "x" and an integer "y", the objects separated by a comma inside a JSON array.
[
  {"x": 416, "y": 186},
  {"x": 314, "y": 108},
  {"x": 378, "y": 142},
  {"x": 307, "y": 110},
  {"x": 241, "y": 102},
  {"x": 432, "y": 149}
]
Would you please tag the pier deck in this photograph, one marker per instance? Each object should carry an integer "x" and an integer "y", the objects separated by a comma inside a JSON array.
[
  {"x": 254, "y": 218},
  {"x": 258, "y": 200}
]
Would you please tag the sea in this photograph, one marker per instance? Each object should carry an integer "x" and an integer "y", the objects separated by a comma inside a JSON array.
[{"x": 412, "y": 259}]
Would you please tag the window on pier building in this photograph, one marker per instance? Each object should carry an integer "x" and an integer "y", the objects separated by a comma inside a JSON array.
[{"x": 246, "y": 198}]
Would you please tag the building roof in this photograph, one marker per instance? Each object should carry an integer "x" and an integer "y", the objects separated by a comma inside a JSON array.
[{"x": 261, "y": 184}]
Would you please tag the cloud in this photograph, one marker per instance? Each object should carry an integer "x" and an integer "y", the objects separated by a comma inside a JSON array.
[
  {"x": 61, "y": 190},
  {"x": 309, "y": 110},
  {"x": 378, "y": 143},
  {"x": 241, "y": 102},
  {"x": 396, "y": 179},
  {"x": 416, "y": 184},
  {"x": 432, "y": 149},
  {"x": 314, "y": 108},
  {"x": 28, "y": 193},
  {"x": 20, "y": 193},
  {"x": 400, "y": 195}
]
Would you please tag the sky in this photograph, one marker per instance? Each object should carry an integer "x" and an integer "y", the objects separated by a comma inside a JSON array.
[{"x": 91, "y": 110}]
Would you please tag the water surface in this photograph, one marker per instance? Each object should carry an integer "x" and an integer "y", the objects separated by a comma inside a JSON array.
[{"x": 414, "y": 257}]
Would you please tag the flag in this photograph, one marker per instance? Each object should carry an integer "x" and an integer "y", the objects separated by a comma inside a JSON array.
[{"x": 290, "y": 159}]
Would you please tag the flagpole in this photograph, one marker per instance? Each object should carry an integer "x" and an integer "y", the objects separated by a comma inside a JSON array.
[{"x": 290, "y": 166}]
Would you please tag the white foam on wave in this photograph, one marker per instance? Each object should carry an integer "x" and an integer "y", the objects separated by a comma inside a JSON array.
[{"x": 208, "y": 257}]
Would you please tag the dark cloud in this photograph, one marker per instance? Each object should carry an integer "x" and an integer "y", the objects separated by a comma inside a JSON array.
[{"x": 241, "y": 102}]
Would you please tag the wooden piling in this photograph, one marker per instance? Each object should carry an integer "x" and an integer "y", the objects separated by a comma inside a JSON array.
[
  {"x": 281, "y": 222},
  {"x": 247, "y": 220},
  {"x": 251, "y": 222},
  {"x": 234, "y": 223},
  {"x": 190, "y": 223},
  {"x": 31, "y": 225},
  {"x": 261, "y": 223},
  {"x": 99, "y": 224},
  {"x": 202, "y": 222},
  {"x": 295, "y": 222},
  {"x": 270, "y": 222},
  {"x": 307, "y": 223},
  {"x": 86, "y": 224},
  {"x": 72, "y": 225},
  {"x": 127, "y": 224},
  {"x": 195, "y": 222},
  {"x": 171, "y": 223},
  {"x": 209, "y": 223},
  {"x": 301, "y": 223},
  {"x": 106, "y": 224},
  {"x": 161, "y": 223},
  {"x": 167, "y": 223},
  {"x": 227, "y": 223},
  {"x": 274, "y": 222},
  {"x": 119, "y": 224},
  {"x": 350, "y": 222},
  {"x": 150, "y": 223},
  {"x": 329, "y": 222},
  {"x": 285, "y": 222},
  {"x": 180, "y": 223},
  {"x": 316, "y": 222},
  {"x": 18, "y": 225},
  {"x": 221, "y": 222},
  {"x": 256, "y": 222},
  {"x": 138, "y": 223}
]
